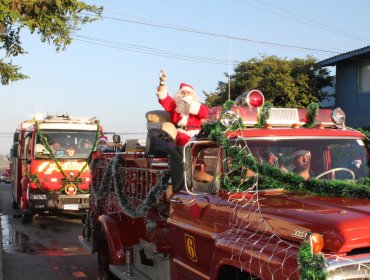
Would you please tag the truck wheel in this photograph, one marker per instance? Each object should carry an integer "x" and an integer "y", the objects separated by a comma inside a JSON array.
[
  {"x": 15, "y": 205},
  {"x": 104, "y": 259},
  {"x": 27, "y": 218}
]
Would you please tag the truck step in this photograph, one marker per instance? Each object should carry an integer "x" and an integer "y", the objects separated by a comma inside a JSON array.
[
  {"x": 121, "y": 272},
  {"x": 87, "y": 245}
]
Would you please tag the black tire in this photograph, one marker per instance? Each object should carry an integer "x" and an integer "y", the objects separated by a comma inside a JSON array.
[
  {"x": 231, "y": 273},
  {"x": 86, "y": 227},
  {"x": 104, "y": 259},
  {"x": 15, "y": 205},
  {"x": 27, "y": 218}
]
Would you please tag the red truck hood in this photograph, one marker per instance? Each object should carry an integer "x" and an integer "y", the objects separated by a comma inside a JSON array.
[{"x": 343, "y": 222}]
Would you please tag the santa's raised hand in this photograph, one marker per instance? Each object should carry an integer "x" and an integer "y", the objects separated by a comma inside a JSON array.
[{"x": 162, "y": 78}]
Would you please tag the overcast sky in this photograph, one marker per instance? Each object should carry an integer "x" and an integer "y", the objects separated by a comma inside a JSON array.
[{"x": 111, "y": 69}]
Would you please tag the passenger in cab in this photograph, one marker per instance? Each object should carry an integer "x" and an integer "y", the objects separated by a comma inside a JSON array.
[{"x": 302, "y": 163}]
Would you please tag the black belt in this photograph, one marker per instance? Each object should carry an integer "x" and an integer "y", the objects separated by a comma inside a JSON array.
[{"x": 185, "y": 127}]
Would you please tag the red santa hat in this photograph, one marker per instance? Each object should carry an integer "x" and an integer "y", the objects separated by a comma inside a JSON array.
[
  {"x": 184, "y": 86},
  {"x": 102, "y": 139}
]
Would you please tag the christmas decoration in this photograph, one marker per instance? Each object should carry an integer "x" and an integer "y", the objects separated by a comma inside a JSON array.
[
  {"x": 313, "y": 266},
  {"x": 66, "y": 181},
  {"x": 312, "y": 110}
]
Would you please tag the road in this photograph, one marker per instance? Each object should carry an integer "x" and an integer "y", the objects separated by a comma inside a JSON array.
[{"x": 46, "y": 249}]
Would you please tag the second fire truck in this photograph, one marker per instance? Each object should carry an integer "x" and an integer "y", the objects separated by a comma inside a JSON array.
[{"x": 50, "y": 164}]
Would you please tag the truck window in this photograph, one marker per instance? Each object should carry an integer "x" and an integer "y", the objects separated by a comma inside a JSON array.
[
  {"x": 204, "y": 169},
  {"x": 27, "y": 150},
  {"x": 65, "y": 144},
  {"x": 338, "y": 158}
]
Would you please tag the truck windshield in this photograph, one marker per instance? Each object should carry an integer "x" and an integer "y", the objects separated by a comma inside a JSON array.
[
  {"x": 321, "y": 158},
  {"x": 65, "y": 144}
]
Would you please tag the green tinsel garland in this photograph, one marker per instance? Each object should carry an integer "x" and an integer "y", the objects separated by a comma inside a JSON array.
[
  {"x": 273, "y": 177},
  {"x": 34, "y": 178},
  {"x": 227, "y": 105},
  {"x": 312, "y": 110},
  {"x": 312, "y": 266},
  {"x": 264, "y": 114}
]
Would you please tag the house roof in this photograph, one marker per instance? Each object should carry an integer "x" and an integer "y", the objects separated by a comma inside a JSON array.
[{"x": 355, "y": 54}]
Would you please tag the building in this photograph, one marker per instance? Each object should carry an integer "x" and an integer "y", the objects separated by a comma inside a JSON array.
[{"x": 352, "y": 86}]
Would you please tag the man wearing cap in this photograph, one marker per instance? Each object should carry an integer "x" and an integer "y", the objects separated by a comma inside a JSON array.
[
  {"x": 302, "y": 162},
  {"x": 102, "y": 143},
  {"x": 186, "y": 111}
]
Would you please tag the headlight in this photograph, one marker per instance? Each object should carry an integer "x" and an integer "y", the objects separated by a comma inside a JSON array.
[{"x": 338, "y": 117}]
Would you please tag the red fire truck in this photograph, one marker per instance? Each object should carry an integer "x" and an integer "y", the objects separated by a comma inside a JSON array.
[
  {"x": 229, "y": 205},
  {"x": 50, "y": 164}
]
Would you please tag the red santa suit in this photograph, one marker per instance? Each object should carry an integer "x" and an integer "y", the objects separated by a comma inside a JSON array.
[{"x": 186, "y": 112}]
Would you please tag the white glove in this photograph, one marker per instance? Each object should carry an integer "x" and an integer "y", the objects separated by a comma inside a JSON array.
[{"x": 162, "y": 77}]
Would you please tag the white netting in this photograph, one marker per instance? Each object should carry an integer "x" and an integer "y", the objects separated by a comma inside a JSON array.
[{"x": 252, "y": 239}]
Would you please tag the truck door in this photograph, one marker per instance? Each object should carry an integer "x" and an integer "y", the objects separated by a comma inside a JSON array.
[{"x": 192, "y": 217}]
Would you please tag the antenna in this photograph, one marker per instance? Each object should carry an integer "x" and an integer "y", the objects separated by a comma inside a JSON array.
[{"x": 228, "y": 91}]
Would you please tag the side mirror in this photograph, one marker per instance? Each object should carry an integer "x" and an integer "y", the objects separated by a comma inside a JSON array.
[
  {"x": 15, "y": 150},
  {"x": 16, "y": 137},
  {"x": 116, "y": 139}
]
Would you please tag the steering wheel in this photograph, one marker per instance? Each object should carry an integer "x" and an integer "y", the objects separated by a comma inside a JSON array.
[{"x": 334, "y": 170}]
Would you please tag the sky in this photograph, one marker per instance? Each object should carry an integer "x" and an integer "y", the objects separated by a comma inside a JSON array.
[{"x": 110, "y": 71}]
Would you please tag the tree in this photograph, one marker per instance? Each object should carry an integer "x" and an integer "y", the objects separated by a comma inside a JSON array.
[
  {"x": 54, "y": 20},
  {"x": 284, "y": 83}
]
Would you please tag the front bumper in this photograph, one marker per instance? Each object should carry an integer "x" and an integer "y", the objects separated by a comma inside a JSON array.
[
  {"x": 353, "y": 268},
  {"x": 58, "y": 202}
]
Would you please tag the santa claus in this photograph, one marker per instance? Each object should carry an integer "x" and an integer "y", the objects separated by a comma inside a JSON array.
[{"x": 186, "y": 111}]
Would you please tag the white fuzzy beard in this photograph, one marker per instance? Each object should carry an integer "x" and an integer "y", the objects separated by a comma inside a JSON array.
[{"x": 182, "y": 107}]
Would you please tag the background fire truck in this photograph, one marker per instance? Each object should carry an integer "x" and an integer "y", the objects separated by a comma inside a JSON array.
[
  {"x": 218, "y": 208},
  {"x": 50, "y": 164}
]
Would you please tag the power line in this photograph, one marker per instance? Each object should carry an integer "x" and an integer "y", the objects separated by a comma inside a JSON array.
[
  {"x": 189, "y": 30},
  {"x": 149, "y": 51},
  {"x": 304, "y": 20}
]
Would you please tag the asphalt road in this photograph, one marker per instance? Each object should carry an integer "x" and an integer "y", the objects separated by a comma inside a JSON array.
[{"x": 46, "y": 249}]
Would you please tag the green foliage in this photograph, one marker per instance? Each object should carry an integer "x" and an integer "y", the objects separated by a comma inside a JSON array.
[
  {"x": 10, "y": 72},
  {"x": 312, "y": 110},
  {"x": 312, "y": 266},
  {"x": 264, "y": 114},
  {"x": 53, "y": 20},
  {"x": 285, "y": 83}
]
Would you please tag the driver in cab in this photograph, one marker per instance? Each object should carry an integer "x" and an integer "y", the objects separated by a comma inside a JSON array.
[{"x": 302, "y": 163}]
